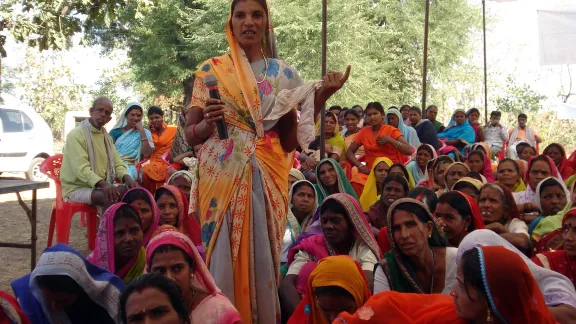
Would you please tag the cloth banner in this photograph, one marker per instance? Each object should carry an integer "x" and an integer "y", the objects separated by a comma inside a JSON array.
[
  {"x": 565, "y": 111},
  {"x": 557, "y": 34}
]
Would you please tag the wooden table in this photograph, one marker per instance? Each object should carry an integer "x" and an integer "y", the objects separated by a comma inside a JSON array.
[{"x": 17, "y": 186}]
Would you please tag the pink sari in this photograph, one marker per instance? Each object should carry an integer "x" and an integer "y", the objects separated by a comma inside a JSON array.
[
  {"x": 103, "y": 254},
  {"x": 155, "y": 213},
  {"x": 214, "y": 309}
]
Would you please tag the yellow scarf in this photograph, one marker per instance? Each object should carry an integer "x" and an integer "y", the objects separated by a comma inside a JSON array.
[{"x": 370, "y": 192}]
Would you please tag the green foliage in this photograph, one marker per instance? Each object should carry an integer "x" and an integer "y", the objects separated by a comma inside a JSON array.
[
  {"x": 519, "y": 98},
  {"x": 49, "y": 86}
]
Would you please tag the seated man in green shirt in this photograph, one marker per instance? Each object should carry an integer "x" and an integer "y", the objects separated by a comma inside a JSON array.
[{"x": 91, "y": 164}]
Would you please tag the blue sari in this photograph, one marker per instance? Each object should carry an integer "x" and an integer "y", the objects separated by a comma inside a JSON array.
[
  {"x": 463, "y": 132},
  {"x": 102, "y": 287},
  {"x": 129, "y": 143}
]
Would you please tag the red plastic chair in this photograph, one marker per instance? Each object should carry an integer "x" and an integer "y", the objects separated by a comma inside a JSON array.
[{"x": 62, "y": 212}]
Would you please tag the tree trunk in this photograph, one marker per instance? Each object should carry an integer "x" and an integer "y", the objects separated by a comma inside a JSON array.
[{"x": 188, "y": 85}]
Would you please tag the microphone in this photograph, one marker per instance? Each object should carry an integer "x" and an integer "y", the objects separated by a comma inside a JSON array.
[{"x": 212, "y": 84}]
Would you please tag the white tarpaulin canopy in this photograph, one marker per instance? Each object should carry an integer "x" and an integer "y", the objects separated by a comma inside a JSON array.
[
  {"x": 557, "y": 33},
  {"x": 565, "y": 111}
]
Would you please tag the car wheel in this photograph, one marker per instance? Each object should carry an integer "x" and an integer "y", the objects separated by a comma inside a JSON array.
[{"x": 34, "y": 172}]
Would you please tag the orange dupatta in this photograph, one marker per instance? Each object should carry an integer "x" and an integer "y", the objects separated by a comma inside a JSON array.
[{"x": 156, "y": 166}]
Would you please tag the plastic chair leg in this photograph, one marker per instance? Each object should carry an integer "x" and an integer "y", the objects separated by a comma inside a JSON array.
[
  {"x": 63, "y": 222},
  {"x": 51, "y": 226}
]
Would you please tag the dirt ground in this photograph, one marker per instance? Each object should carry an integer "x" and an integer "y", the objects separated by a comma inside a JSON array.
[{"x": 16, "y": 228}]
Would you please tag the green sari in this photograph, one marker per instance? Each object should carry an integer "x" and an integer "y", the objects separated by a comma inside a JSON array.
[
  {"x": 398, "y": 270},
  {"x": 344, "y": 185}
]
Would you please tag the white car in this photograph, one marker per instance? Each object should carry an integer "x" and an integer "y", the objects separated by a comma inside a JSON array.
[{"x": 25, "y": 141}]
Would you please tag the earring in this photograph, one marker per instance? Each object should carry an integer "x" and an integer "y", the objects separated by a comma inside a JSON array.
[{"x": 489, "y": 316}]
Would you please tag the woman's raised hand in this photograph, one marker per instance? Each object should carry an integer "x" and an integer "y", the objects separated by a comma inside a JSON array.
[{"x": 333, "y": 81}]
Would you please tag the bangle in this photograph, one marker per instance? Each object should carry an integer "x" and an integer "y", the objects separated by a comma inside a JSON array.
[
  {"x": 143, "y": 139},
  {"x": 194, "y": 133}
]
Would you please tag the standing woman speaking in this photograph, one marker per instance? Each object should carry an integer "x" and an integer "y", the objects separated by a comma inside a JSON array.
[{"x": 242, "y": 190}]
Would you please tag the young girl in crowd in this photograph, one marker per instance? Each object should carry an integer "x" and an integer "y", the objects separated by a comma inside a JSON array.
[
  {"x": 173, "y": 206},
  {"x": 374, "y": 184},
  {"x": 458, "y": 214},
  {"x": 417, "y": 167}
]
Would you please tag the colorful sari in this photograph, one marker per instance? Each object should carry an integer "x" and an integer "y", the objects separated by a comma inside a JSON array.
[
  {"x": 317, "y": 248},
  {"x": 344, "y": 185},
  {"x": 564, "y": 166},
  {"x": 349, "y": 139},
  {"x": 242, "y": 191},
  {"x": 103, "y": 254},
  {"x": 403, "y": 308},
  {"x": 370, "y": 192},
  {"x": 10, "y": 311},
  {"x": 559, "y": 260},
  {"x": 556, "y": 288},
  {"x": 154, "y": 170},
  {"x": 214, "y": 309},
  {"x": 430, "y": 174},
  {"x": 155, "y": 213},
  {"x": 187, "y": 224},
  {"x": 438, "y": 126},
  {"x": 487, "y": 169},
  {"x": 408, "y": 132},
  {"x": 513, "y": 294},
  {"x": 340, "y": 271},
  {"x": 397, "y": 268},
  {"x": 101, "y": 286},
  {"x": 463, "y": 132},
  {"x": 414, "y": 169},
  {"x": 336, "y": 140},
  {"x": 129, "y": 143},
  {"x": 543, "y": 225}
]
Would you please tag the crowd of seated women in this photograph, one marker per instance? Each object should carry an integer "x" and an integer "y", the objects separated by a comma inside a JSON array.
[{"x": 389, "y": 225}]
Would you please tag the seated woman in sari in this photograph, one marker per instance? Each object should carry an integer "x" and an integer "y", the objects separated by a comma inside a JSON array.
[
  {"x": 144, "y": 202},
  {"x": 562, "y": 261},
  {"x": 303, "y": 205},
  {"x": 469, "y": 186},
  {"x": 558, "y": 154},
  {"x": 452, "y": 174},
  {"x": 119, "y": 244},
  {"x": 434, "y": 176},
  {"x": 394, "y": 118},
  {"x": 182, "y": 180},
  {"x": 458, "y": 214},
  {"x": 510, "y": 175},
  {"x": 494, "y": 284},
  {"x": 420, "y": 261},
  {"x": 331, "y": 180},
  {"x": 431, "y": 113},
  {"x": 459, "y": 133},
  {"x": 173, "y": 206},
  {"x": 352, "y": 119},
  {"x": 394, "y": 187},
  {"x": 10, "y": 311},
  {"x": 400, "y": 169},
  {"x": 539, "y": 168},
  {"x": 473, "y": 117},
  {"x": 131, "y": 139},
  {"x": 66, "y": 288},
  {"x": 378, "y": 140},
  {"x": 336, "y": 285},
  {"x": 501, "y": 215},
  {"x": 417, "y": 166},
  {"x": 335, "y": 146},
  {"x": 374, "y": 184},
  {"x": 153, "y": 299},
  {"x": 558, "y": 291},
  {"x": 552, "y": 197},
  {"x": 154, "y": 170},
  {"x": 345, "y": 232},
  {"x": 171, "y": 250},
  {"x": 479, "y": 162},
  {"x": 527, "y": 153}
]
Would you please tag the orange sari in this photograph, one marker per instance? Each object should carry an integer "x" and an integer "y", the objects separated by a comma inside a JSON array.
[
  {"x": 242, "y": 188},
  {"x": 154, "y": 170}
]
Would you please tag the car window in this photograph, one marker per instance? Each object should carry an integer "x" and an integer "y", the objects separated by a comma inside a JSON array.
[
  {"x": 28, "y": 125},
  {"x": 11, "y": 121}
]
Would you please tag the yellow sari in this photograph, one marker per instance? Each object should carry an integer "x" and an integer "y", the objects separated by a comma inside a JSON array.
[
  {"x": 242, "y": 189},
  {"x": 370, "y": 192}
]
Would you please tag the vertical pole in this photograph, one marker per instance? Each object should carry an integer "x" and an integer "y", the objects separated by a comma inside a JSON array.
[
  {"x": 425, "y": 68},
  {"x": 33, "y": 222},
  {"x": 324, "y": 49},
  {"x": 485, "y": 69}
]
